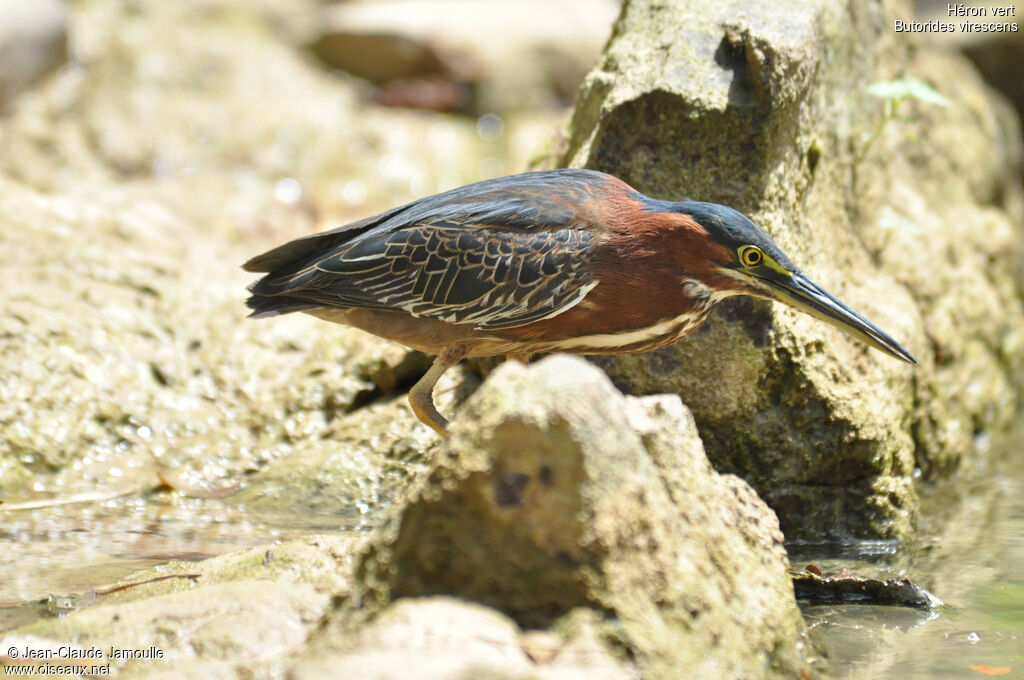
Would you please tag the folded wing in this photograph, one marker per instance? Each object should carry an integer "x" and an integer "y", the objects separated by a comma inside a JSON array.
[{"x": 507, "y": 253}]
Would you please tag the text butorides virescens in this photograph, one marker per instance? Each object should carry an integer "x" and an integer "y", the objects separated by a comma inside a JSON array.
[{"x": 563, "y": 260}]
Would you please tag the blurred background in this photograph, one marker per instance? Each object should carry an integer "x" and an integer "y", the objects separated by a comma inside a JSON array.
[{"x": 336, "y": 108}]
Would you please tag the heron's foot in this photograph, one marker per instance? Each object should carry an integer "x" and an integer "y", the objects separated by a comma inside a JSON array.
[{"x": 421, "y": 396}]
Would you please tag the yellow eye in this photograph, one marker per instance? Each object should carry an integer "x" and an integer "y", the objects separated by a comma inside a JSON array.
[{"x": 751, "y": 256}]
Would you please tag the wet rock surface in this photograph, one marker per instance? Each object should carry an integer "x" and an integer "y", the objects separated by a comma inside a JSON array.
[
  {"x": 764, "y": 107},
  {"x": 233, "y": 611}
]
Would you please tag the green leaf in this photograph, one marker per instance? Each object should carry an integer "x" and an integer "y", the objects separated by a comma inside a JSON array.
[{"x": 906, "y": 88}]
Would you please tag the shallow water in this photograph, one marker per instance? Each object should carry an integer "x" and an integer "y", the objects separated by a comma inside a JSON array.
[
  {"x": 970, "y": 555},
  {"x": 69, "y": 549}
]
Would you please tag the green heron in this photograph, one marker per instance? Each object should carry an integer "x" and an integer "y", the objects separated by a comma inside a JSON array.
[{"x": 561, "y": 260}]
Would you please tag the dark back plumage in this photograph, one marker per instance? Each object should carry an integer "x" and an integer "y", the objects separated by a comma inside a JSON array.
[{"x": 498, "y": 254}]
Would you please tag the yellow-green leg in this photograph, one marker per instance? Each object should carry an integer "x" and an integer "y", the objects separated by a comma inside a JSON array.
[{"x": 421, "y": 396}]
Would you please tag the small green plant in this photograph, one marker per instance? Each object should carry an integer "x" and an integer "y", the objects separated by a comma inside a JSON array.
[{"x": 893, "y": 93}]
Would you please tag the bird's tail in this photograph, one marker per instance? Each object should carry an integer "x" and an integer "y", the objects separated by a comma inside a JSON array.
[{"x": 264, "y": 306}]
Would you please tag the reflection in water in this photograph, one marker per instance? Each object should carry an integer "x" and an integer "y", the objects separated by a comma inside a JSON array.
[
  {"x": 68, "y": 550},
  {"x": 970, "y": 552}
]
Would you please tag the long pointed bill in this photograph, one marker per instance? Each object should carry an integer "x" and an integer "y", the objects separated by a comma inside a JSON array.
[{"x": 800, "y": 292}]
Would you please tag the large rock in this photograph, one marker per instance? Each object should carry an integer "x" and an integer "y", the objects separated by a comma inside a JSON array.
[
  {"x": 997, "y": 54},
  {"x": 555, "y": 493},
  {"x": 565, "y": 531},
  {"x": 915, "y": 221}
]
